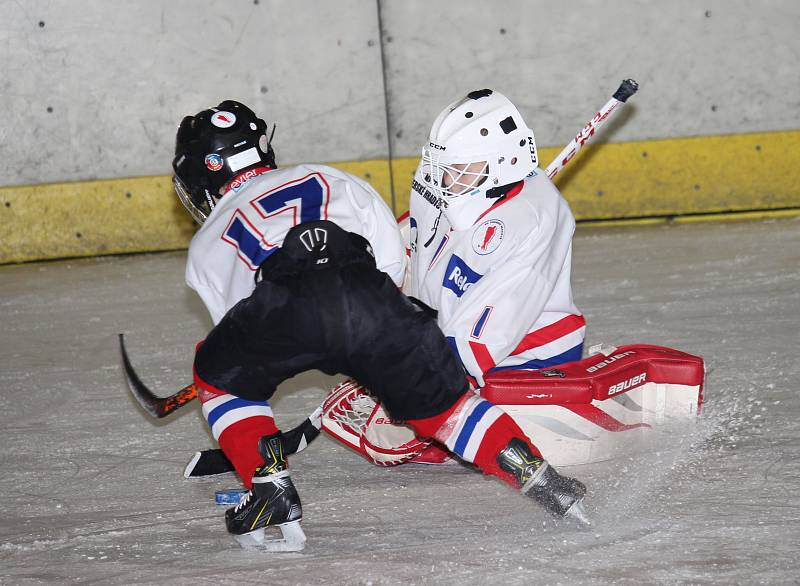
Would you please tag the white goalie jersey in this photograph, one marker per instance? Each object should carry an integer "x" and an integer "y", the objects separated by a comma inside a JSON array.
[
  {"x": 251, "y": 220},
  {"x": 502, "y": 287}
]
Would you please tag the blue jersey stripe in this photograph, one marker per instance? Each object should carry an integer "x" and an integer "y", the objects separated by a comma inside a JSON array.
[
  {"x": 249, "y": 244},
  {"x": 228, "y": 406},
  {"x": 469, "y": 426},
  {"x": 570, "y": 355},
  {"x": 478, "y": 329}
]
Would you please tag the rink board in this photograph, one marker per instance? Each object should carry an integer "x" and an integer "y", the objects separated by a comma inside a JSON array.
[{"x": 687, "y": 177}]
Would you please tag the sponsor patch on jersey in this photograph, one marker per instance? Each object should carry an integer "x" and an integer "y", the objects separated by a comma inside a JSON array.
[
  {"x": 488, "y": 236},
  {"x": 458, "y": 277},
  {"x": 239, "y": 181},
  {"x": 214, "y": 162},
  {"x": 223, "y": 119}
]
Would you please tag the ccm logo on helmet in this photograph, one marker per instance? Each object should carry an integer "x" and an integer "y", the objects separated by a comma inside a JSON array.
[
  {"x": 532, "y": 148},
  {"x": 437, "y": 147},
  {"x": 628, "y": 384}
]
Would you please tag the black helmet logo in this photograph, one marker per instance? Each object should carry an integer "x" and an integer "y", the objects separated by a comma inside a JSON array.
[{"x": 223, "y": 119}]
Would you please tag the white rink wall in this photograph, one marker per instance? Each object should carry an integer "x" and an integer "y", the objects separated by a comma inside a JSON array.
[
  {"x": 705, "y": 68},
  {"x": 95, "y": 89}
]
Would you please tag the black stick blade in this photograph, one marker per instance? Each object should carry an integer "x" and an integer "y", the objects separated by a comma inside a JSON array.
[
  {"x": 155, "y": 406},
  {"x": 208, "y": 463}
]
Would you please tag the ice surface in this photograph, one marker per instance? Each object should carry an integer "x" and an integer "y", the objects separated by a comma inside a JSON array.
[{"x": 92, "y": 489}]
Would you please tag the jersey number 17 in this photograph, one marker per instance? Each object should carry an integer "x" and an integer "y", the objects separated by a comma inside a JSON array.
[{"x": 257, "y": 234}]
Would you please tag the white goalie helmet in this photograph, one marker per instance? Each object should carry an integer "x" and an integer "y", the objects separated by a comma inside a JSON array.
[{"x": 475, "y": 145}]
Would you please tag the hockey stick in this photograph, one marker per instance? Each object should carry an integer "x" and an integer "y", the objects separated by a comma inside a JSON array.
[
  {"x": 155, "y": 406},
  {"x": 626, "y": 89},
  {"x": 212, "y": 461}
]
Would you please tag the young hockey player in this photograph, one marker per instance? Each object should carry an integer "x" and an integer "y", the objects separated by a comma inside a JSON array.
[
  {"x": 491, "y": 241},
  {"x": 299, "y": 269}
]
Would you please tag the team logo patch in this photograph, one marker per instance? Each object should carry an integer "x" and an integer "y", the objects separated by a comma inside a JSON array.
[
  {"x": 214, "y": 162},
  {"x": 223, "y": 119},
  {"x": 458, "y": 277},
  {"x": 488, "y": 236}
]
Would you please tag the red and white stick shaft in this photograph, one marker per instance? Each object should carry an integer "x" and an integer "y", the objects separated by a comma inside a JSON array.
[{"x": 625, "y": 91}]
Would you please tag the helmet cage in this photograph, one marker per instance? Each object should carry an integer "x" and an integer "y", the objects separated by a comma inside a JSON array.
[
  {"x": 199, "y": 210},
  {"x": 484, "y": 127},
  {"x": 450, "y": 179}
]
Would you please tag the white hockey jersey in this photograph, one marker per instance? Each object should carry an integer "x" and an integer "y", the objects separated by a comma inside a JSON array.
[
  {"x": 502, "y": 287},
  {"x": 251, "y": 220}
]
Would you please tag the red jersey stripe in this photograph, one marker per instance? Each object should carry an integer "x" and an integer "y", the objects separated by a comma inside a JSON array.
[
  {"x": 512, "y": 193},
  {"x": 566, "y": 325},
  {"x": 481, "y": 353}
]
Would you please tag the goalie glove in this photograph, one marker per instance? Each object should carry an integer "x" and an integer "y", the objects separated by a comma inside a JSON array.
[{"x": 352, "y": 416}]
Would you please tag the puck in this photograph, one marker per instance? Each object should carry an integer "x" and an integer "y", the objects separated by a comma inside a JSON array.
[{"x": 229, "y": 497}]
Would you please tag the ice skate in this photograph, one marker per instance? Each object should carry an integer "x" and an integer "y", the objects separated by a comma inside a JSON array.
[
  {"x": 560, "y": 495},
  {"x": 272, "y": 502}
]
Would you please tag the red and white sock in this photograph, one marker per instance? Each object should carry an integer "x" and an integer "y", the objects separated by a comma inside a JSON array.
[
  {"x": 238, "y": 424},
  {"x": 476, "y": 430}
]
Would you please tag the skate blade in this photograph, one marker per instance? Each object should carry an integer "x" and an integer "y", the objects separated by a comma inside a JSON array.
[
  {"x": 577, "y": 512},
  {"x": 293, "y": 539}
]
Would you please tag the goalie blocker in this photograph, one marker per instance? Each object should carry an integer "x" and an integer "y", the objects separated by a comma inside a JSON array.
[{"x": 586, "y": 411}]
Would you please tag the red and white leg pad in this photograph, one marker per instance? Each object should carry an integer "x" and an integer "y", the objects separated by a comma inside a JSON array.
[{"x": 600, "y": 407}]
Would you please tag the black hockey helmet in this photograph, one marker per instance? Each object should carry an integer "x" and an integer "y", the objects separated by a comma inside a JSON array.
[{"x": 212, "y": 148}]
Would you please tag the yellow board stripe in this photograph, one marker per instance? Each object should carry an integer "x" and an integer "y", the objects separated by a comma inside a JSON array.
[
  {"x": 639, "y": 182},
  {"x": 671, "y": 177}
]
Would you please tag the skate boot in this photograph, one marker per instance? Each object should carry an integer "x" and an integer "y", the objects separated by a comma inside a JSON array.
[
  {"x": 560, "y": 495},
  {"x": 273, "y": 501}
]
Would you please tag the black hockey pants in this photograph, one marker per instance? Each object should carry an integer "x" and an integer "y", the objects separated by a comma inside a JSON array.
[{"x": 322, "y": 304}]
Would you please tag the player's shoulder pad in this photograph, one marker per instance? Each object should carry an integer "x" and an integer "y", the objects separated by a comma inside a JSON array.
[
  {"x": 334, "y": 175},
  {"x": 538, "y": 195},
  {"x": 541, "y": 185},
  {"x": 329, "y": 172}
]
